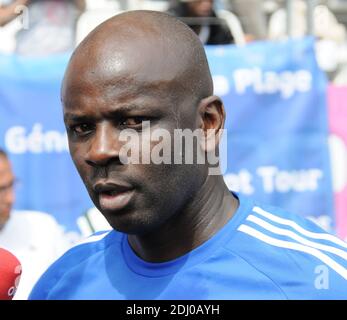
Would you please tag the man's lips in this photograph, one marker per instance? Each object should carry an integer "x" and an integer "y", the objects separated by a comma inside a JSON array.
[{"x": 113, "y": 196}]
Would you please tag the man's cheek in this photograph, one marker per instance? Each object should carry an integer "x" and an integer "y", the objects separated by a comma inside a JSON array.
[
  {"x": 77, "y": 158},
  {"x": 81, "y": 168}
]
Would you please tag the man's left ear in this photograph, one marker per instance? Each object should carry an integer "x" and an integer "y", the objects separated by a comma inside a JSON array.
[{"x": 212, "y": 117}]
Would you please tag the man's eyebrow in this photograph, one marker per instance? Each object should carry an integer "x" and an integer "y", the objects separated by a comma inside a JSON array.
[
  {"x": 76, "y": 117},
  {"x": 113, "y": 113},
  {"x": 129, "y": 108}
]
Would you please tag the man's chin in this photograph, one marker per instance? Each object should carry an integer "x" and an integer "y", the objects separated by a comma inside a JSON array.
[
  {"x": 132, "y": 220},
  {"x": 132, "y": 225},
  {"x": 131, "y": 228}
]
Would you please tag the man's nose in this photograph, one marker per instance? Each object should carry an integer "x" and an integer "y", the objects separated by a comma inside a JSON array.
[{"x": 104, "y": 146}]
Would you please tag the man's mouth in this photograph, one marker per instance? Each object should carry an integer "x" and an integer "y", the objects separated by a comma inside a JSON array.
[
  {"x": 111, "y": 193},
  {"x": 112, "y": 196}
]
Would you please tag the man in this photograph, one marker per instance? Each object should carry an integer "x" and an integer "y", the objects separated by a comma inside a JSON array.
[
  {"x": 201, "y": 17},
  {"x": 49, "y": 26},
  {"x": 35, "y": 238},
  {"x": 178, "y": 231},
  {"x": 9, "y": 10},
  {"x": 252, "y": 16}
]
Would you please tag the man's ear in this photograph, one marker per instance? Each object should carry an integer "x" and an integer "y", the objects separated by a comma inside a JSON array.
[{"x": 212, "y": 118}]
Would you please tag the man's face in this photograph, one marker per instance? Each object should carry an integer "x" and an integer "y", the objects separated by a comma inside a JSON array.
[
  {"x": 7, "y": 197},
  {"x": 200, "y": 8},
  {"x": 134, "y": 198}
]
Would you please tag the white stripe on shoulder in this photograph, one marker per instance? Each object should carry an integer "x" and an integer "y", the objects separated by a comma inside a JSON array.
[
  {"x": 94, "y": 238},
  {"x": 295, "y": 236},
  {"x": 294, "y": 225},
  {"x": 295, "y": 246}
]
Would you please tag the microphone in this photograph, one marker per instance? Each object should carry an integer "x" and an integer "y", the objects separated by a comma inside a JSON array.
[{"x": 10, "y": 273}]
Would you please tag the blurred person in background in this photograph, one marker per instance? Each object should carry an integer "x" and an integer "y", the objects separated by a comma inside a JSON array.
[
  {"x": 252, "y": 16},
  {"x": 35, "y": 238},
  {"x": 49, "y": 26},
  {"x": 200, "y": 16},
  {"x": 9, "y": 10},
  {"x": 330, "y": 34}
]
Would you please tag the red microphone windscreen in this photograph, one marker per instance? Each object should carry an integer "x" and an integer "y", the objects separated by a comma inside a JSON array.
[{"x": 10, "y": 272}]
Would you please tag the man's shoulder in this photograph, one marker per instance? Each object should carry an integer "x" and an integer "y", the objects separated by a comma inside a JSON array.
[
  {"x": 74, "y": 257},
  {"x": 290, "y": 250},
  {"x": 265, "y": 223},
  {"x": 88, "y": 247},
  {"x": 83, "y": 250}
]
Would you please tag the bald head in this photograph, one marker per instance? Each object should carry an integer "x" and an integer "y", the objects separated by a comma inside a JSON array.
[{"x": 148, "y": 46}]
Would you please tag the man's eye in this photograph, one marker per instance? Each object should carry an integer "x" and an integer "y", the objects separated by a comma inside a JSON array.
[
  {"x": 81, "y": 129},
  {"x": 133, "y": 121}
]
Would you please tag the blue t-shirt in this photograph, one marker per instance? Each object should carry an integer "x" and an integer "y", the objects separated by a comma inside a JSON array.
[{"x": 261, "y": 253}]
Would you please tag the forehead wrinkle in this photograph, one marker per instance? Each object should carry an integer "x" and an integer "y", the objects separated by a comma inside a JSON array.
[
  {"x": 113, "y": 54},
  {"x": 91, "y": 81},
  {"x": 109, "y": 113},
  {"x": 160, "y": 88},
  {"x": 114, "y": 101}
]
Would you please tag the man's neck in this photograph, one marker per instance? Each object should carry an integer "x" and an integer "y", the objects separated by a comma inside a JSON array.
[{"x": 199, "y": 221}]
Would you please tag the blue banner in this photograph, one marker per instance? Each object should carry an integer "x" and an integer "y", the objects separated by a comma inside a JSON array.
[
  {"x": 33, "y": 133},
  {"x": 275, "y": 99},
  {"x": 277, "y": 128}
]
